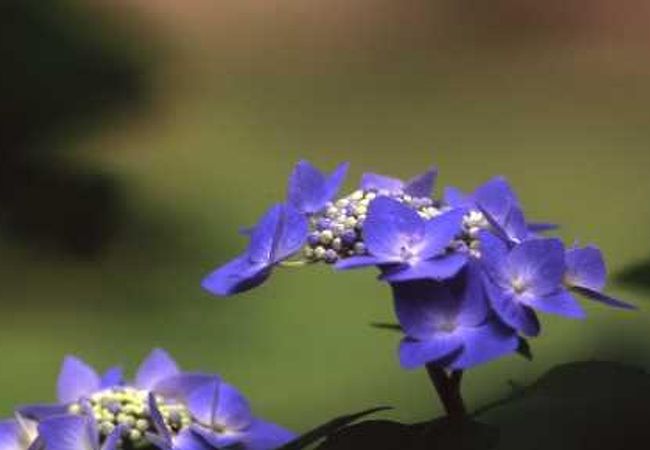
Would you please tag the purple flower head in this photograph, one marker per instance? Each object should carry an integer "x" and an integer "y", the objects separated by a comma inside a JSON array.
[
  {"x": 310, "y": 190},
  {"x": 586, "y": 274},
  {"x": 223, "y": 418},
  {"x": 449, "y": 324},
  {"x": 280, "y": 233},
  {"x": 74, "y": 432},
  {"x": 525, "y": 278},
  {"x": 419, "y": 186},
  {"x": 407, "y": 245},
  {"x": 18, "y": 434}
]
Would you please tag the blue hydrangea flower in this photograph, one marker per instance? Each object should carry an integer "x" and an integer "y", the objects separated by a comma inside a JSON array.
[
  {"x": 113, "y": 402},
  {"x": 162, "y": 406},
  {"x": 525, "y": 278},
  {"x": 310, "y": 190},
  {"x": 223, "y": 418},
  {"x": 586, "y": 274},
  {"x": 419, "y": 186},
  {"x": 18, "y": 434},
  {"x": 409, "y": 246},
  {"x": 280, "y": 233},
  {"x": 449, "y": 324},
  {"x": 73, "y": 432}
]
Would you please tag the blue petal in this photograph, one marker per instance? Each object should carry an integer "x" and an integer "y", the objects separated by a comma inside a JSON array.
[
  {"x": 262, "y": 435},
  {"x": 232, "y": 410},
  {"x": 440, "y": 231},
  {"x": 11, "y": 437},
  {"x": 182, "y": 385},
  {"x": 511, "y": 226},
  {"x": 42, "y": 411},
  {"x": 156, "y": 367},
  {"x": 473, "y": 303},
  {"x": 354, "y": 262},
  {"x": 420, "y": 306},
  {"x": 202, "y": 401},
  {"x": 309, "y": 189},
  {"x": 489, "y": 341},
  {"x": 239, "y": 275},
  {"x": 422, "y": 185},
  {"x": 218, "y": 440},
  {"x": 518, "y": 316},
  {"x": 586, "y": 268},
  {"x": 540, "y": 227},
  {"x": 603, "y": 298},
  {"x": 163, "y": 432},
  {"x": 112, "y": 377},
  {"x": 76, "y": 380},
  {"x": 496, "y": 197},
  {"x": 540, "y": 262},
  {"x": 291, "y": 234},
  {"x": 440, "y": 268},
  {"x": 561, "y": 303},
  {"x": 188, "y": 440},
  {"x": 391, "y": 227},
  {"x": 456, "y": 198},
  {"x": 112, "y": 441},
  {"x": 414, "y": 354},
  {"x": 494, "y": 254},
  {"x": 376, "y": 182},
  {"x": 67, "y": 433},
  {"x": 263, "y": 238},
  {"x": 220, "y": 404}
]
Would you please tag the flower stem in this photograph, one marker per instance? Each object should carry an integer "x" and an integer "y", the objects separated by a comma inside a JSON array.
[{"x": 447, "y": 386}]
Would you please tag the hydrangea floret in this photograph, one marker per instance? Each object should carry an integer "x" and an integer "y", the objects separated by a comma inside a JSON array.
[
  {"x": 469, "y": 273},
  {"x": 162, "y": 407}
]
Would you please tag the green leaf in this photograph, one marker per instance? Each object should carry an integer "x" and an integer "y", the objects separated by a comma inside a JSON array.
[
  {"x": 328, "y": 428},
  {"x": 386, "y": 326}
]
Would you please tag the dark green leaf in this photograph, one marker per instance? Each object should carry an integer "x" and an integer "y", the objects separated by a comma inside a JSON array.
[
  {"x": 386, "y": 326},
  {"x": 328, "y": 428}
]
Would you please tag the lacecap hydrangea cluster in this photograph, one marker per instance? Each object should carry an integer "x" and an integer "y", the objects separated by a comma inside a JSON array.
[
  {"x": 469, "y": 273},
  {"x": 162, "y": 408}
]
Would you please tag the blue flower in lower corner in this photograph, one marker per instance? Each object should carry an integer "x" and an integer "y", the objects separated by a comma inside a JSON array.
[
  {"x": 449, "y": 324},
  {"x": 162, "y": 406},
  {"x": 18, "y": 434},
  {"x": 280, "y": 233}
]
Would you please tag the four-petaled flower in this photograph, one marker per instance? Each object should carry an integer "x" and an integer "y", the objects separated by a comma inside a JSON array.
[
  {"x": 408, "y": 246},
  {"x": 525, "y": 278},
  {"x": 450, "y": 324},
  {"x": 163, "y": 406}
]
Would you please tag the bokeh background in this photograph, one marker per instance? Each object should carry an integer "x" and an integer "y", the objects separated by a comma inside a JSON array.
[{"x": 137, "y": 136}]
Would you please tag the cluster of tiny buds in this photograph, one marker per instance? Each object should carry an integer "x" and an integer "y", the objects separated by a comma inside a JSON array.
[
  {"x": 128, "y": 407},
  {"x": 473, "y": 222},
  {"x": 336, "y": 233}
]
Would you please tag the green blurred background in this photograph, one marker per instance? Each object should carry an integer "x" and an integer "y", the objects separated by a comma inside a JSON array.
[{"x": 138, "y": 136}]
